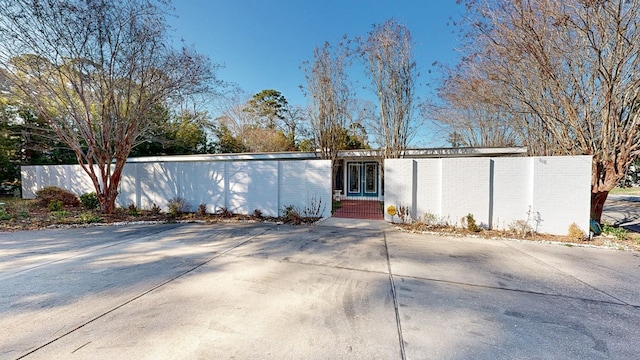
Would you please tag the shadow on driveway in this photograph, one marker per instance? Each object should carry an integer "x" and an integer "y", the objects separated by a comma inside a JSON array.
[{"x": 264, "y": 290}]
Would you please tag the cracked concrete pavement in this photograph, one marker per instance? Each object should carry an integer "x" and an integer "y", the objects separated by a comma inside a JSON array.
[{"x": 340, "y": 289}]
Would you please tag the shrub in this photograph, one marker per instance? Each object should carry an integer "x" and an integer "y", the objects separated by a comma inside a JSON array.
[
  {"x": 470, "y": 223},
  {"x": 60, "y": 214},
  {"x": 314, "y": 209},
  {"x": 430, "y": 219},
  {"x": 615, "y": 231},
  {"x": 257, "y": 214},
  {"x": 155, "y": 210},
  {"x": 434, "y": 221},
  {"x": 335, "y": 205},
  {"x": 4, "y": 215},
  {"x": 23, "y": 214},
  {"x": 55, "y": 205},
  {"x": 403, "y": 214},
  {"x": 521, "y": 227},
  {"x": 133, "y": 210},
  {"x": 88, "y": 218},
  {"x": 291, "y": 215},
  {"x": 177, "y": 206},
  {"x": 49, "y": 193},
  {"x": 224, "y": 212},
  {"x": 575, "y": 232},
  {"x": 89, "y": 201},
  {"x": 202, "y": 210}
]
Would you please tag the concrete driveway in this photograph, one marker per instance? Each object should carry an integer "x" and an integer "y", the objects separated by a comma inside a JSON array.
[{"x": 336, "y": 290}]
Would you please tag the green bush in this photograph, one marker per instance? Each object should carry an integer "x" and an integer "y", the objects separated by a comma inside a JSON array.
[
  {"x": 88, "y": 218},
  {"x": 615, "y": 231},
  {"x": 23, "y": 214},
  {"x": 55, "y": 205},
  {"x": 4, "y": 215},
  {"x": 90, "y": 201},
  {"x": 470, "y": 223},
  {"x": 133, "y": 210},
  {"x": 49, "y": 193},
  {"x": 60, "y": 214}
]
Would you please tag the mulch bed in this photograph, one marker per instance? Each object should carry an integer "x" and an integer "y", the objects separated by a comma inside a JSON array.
[
  {"x": 631, "y": 243},
  {"x": 29, "y": 215}
]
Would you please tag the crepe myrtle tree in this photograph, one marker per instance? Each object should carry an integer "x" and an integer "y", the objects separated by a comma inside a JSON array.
[
  {"x": 565, "y": 72},
  {"x": 98, "y": 72}
]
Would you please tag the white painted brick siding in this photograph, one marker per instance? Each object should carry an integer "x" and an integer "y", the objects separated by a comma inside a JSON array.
[
  {"x": 550, "y": 193},
  {"x": 429, "y": 178},
  {"x": 562, "y": 193},
  {"x": 398, "y": 184},
  {"x": 466, "y": 189},
  {"x": 512, "y": 191},
  {"x": 239, "y": 186}
]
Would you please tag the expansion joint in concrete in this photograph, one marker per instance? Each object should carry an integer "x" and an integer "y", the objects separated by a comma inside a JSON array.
[{"x": 396, "y": 307}]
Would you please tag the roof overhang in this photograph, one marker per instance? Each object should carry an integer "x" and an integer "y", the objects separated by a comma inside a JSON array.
[
  {"x": 343, "y": 154},
  {"x": 228, "y": 157},
  {"x": 439, "y": 152}
]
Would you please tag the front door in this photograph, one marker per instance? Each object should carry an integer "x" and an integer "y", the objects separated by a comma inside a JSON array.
[{"x": 362, "y": 179}]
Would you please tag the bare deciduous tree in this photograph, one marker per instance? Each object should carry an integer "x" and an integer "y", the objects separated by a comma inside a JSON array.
[
  {"x": 390, "y": 66},
  {"x": 330, "y": 96},
  {"x": 232, "y": 115},
  {"x": 468, "y": 122},
  {"x": 295, "y": 126},
  {"x": 567, "y": 72},
  {"x": 330, "y": 99},
  {"x": 98, "y": 72}
]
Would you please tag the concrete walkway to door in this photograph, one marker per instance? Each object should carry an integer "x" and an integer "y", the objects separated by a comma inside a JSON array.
[
  {"x": 342, "y": 289},
  {"x": 359, "y": 209}
]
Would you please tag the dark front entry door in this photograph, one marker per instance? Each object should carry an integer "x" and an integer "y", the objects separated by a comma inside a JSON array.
[{"x": 362, "y": 179}]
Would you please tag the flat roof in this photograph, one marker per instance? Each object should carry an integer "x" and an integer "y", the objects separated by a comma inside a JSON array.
[
  {"x": 440, "y": 152},
  {"x": 292, "y": 155},
  {"x": 311, "y": 155}
]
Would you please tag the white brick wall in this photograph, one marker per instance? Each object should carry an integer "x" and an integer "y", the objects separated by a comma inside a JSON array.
[
  {"x": 562, "y": 193},
  {"x": 548, "y": 192},
  {"x": 512, "y": 191},
  {"x": 239, "y": 186},
  {"x": 398, "y": 184},
  {"x": 466, "y": 189},
  {"x": 429, "y": 180}
]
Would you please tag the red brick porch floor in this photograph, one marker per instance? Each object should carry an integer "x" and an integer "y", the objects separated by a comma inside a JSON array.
[{"x": 359, "y": 209}]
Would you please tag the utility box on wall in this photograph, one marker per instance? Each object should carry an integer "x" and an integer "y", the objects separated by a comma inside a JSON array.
[{"x": 548, "y": 193}]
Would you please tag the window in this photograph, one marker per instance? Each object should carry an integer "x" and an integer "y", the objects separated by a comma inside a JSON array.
[
  {"x": 370, "y": 178},
  {"x": 354, "y": 178}
]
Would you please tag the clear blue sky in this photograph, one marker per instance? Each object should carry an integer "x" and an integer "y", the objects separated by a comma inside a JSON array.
[{"x": 263, "y": 43}]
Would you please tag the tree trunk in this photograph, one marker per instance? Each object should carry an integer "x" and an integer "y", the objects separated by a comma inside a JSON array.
[
  {"x": 110, "y": 201},
  {"x": 598, "y": 199}
]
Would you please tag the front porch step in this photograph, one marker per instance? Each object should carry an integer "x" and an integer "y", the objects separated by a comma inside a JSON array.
[{"x": 359, "y": 209}]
